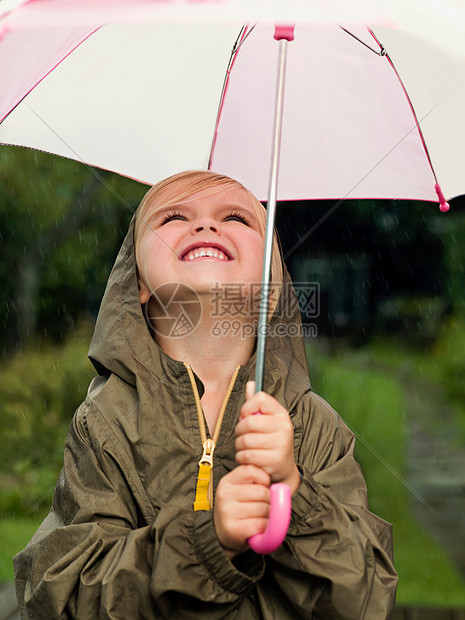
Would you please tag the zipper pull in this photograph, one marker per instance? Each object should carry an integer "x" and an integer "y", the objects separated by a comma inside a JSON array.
[
  {"x": 207, "y": 456},
  {"x": 203, "y": 500}
]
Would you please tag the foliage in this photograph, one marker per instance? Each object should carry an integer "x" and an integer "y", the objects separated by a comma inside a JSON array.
[
  {"x": 416, "y": 317},
  {"x": 447, "y": 363},
  {"x": 40, "y": 390},
  {"x": 382, "y": 265},
  {"x": 61, "y": 225},
  {"x": 453, "y": 236},
  {"x": 449, "y": 350}
]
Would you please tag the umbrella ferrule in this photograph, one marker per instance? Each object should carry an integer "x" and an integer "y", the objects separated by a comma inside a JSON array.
[{"x": 284, "y": 32}]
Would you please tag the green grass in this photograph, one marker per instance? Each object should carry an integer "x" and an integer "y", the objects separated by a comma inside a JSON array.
[
  {"x": 14, "y": 536},
  {"x": 372, "y": 403}
]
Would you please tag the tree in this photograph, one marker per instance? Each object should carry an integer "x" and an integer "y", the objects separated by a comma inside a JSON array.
[{"x": 60, "y": 224}]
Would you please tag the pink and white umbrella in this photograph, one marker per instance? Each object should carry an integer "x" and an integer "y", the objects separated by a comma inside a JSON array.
[
  {"x": 132, "y": 88},
  {"x": 141, "y": 97}
]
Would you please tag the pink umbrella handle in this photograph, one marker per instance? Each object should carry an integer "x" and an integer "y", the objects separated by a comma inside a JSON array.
[{"x": 278, "y": 521}]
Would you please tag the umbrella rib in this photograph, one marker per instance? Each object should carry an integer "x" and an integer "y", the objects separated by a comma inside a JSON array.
[
  {"x": 381, "y": 52},
  {"x": 417, "y": 122},
  {"x": 241, "y": 37},
  {"x": 42, "y": 78},
  {"x": 240, "y": 41}
]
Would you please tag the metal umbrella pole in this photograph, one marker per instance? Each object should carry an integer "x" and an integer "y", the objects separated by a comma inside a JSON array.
[{"x": 283, "y": 34}]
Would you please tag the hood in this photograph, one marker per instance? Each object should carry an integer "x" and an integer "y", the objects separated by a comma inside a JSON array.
[{"x": 122, "y": 343}]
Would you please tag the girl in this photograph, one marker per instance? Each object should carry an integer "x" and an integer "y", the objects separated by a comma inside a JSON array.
[{"x": 166, "y": 470}]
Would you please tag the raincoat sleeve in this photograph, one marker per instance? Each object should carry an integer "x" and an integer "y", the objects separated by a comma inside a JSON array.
[
  {"x": 91, "y": 558},
  {"x": 336, "y": 561}
]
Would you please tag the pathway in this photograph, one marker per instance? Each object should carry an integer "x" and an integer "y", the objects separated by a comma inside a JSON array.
[{"x": 436, "y": 467}]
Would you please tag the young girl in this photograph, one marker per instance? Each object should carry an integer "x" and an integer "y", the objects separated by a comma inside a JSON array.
[{"x": 138, "y": 528}]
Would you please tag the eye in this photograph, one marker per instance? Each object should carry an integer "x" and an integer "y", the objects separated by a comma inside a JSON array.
[
  {"x": 237, "y": 217},
  {"x": 172, "y": 215}
]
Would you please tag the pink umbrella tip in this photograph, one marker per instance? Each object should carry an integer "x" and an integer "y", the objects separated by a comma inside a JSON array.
[
  {"x": 444, "y": 206},
  {"x": 284, "y": 32}
]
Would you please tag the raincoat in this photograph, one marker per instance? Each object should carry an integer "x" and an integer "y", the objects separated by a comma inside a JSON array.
[{"x": 122, "y": 540}]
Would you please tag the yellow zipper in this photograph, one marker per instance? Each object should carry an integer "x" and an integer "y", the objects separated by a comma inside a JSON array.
[{"x": 204, "y": 490}]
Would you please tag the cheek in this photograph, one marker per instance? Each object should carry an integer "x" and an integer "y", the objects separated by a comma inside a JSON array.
[
  {"x": 155, "y": 245},
  {"x": 255, "y": 248}
]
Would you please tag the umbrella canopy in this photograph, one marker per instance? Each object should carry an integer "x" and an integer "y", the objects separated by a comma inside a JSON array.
[
  {"x": 142, "y": 100},
  {"x": 351, "y": 124}
]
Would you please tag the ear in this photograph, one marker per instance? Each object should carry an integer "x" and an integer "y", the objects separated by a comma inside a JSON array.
[{"x": 144, "y": 293}]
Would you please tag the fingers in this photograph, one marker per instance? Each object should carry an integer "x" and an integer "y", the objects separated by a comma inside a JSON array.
[
  {"x": 262, "y": 424},
  {"x": 275, "y": 419},
  {"x": 249, "y": 389},
  {"x": 253, "y": 500},
  {"x": 241, "y": 507},
  {"x": 261, "y": 403},
  {"x": 267, "y": 441},
  {"x": 249, "y": 475}
]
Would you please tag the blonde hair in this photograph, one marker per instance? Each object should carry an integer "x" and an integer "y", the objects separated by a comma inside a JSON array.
[{"x": 183, "y": 185}]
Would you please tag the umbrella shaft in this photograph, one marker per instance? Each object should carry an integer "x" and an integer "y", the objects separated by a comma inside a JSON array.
[{"x": 270, "y": 220}]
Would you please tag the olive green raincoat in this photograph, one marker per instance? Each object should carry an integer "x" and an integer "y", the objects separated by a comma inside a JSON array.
[{"x": 122, "y": 539}]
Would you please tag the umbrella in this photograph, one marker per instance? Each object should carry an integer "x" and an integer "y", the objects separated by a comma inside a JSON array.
[
  {"x": 77, "y": 99},
  {"x": 345, "y": 110}
]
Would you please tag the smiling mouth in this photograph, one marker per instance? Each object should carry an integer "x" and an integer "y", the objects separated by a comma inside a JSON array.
[{"x": 208, "y": 252}]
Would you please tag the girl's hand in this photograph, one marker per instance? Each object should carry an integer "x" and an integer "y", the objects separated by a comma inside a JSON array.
[
  {"x": 241, "y": 507},
  {"x": 267, "y": 441}
]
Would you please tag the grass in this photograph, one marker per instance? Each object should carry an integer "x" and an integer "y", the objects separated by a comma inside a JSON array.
[
  {"x": 372, "y": 403},
  {"x": 15, "y": 533}
]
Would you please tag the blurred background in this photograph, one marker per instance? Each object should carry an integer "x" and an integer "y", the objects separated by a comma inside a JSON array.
[{"x": 386, "y": 347}]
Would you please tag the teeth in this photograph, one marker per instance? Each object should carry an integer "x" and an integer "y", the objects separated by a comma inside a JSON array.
[{"x": 209, "y": 252}]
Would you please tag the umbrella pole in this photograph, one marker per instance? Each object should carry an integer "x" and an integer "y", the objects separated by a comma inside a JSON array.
[
  {"x": 280, "y": 494},
  {"x": 283, "y": 34}
]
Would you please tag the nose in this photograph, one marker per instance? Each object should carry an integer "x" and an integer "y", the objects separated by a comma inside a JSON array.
[{"x": 206, "y": 223}]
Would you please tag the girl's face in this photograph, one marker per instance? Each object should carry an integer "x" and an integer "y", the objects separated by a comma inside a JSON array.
[{"x": 208, "y": 239}]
